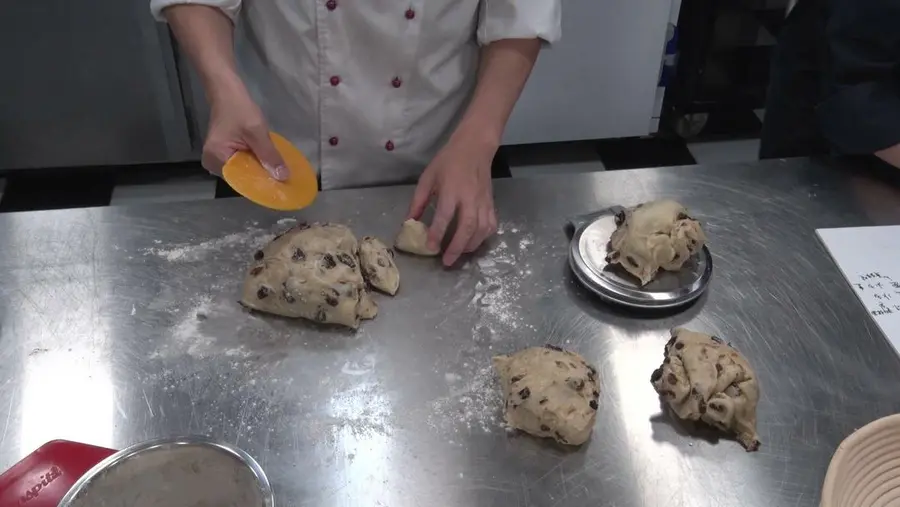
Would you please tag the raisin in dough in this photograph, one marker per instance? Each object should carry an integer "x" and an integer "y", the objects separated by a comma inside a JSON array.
[
  {"x": 704, "y": 379},
  {"x": 310, "y": 272},
  {"x": 654, "y": 235},
  {"x": 549, "y": 392},
  {"x": 413, "y": 238},
  {"x": 377, "y": 263}
]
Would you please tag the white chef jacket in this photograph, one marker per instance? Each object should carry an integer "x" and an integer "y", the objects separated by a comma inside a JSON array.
[{"x": 370, "y": 90}]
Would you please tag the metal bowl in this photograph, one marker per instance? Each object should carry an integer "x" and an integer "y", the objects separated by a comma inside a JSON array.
[{"x": 175, "y": 472}]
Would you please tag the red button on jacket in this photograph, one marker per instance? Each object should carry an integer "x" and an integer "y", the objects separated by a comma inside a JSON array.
[
  {"x": 410, "y": 14},
  {"x": 389, "y": 146},
  {"x": 333, "y": 141}
]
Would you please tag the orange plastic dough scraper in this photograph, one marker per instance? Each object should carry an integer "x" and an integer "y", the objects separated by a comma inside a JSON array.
[{"x": 246, "y": 175}]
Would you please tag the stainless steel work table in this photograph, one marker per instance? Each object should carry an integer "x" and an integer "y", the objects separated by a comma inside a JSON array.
[{"x": 120, "y": 325}]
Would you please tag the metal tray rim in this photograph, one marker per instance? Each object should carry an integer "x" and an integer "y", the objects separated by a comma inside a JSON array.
[
  {"x": 579, "y": 268},
  {"x": 261, "y": 480}
]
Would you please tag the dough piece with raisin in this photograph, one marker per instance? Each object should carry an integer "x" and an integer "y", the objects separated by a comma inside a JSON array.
[
  {"x": 368, "y": 308},
  {"x": 413, "y": 238},
  {"x": 549, "y": 392},
  {"x": 377, "y": 263},
  {"x": 310, "y": 272},
  {"x": 653, "y": 236},
  {"x": 705, "y": 379}
]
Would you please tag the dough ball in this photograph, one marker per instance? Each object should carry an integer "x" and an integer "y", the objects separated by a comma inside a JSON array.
[
  {"x": 377, "y": 263},
  {"x": 413, "y": 238},
  {"x": 654, "y": 235},
  {"x": 311, "y": 272},
  {"x": 550, "y": 392},
  {"x": 705, "y": 379},
  {"x": 368, "y": 308}
]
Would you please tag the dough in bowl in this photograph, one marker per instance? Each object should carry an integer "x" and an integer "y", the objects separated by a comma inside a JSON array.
[
  {"x": 413, "y": 238},
  {"x": 704, "y": 379},
  {"x": 549, "y": 392},
  {"x": 310, "y": 272},
  {"x": 653, "y": 236}
]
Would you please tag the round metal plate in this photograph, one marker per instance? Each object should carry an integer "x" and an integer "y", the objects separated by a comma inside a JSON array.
[{"x": 587, "y": 258}]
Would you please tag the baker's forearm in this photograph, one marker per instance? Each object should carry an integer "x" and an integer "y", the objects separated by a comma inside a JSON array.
[
  {"x": 207, "y": 36},
  {"x": 890, "y": 155},
  {"x": 505, "y": 67}
]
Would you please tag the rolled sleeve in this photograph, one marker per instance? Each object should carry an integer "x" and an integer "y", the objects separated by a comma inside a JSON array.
[
  {"x": 519, "y": 19},
  {"x": 231, "y": 8},
  {"x": 861, "y": 110}
]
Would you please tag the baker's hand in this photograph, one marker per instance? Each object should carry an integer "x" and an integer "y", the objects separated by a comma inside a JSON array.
[
  {"x": 459, "y": 178},
  {"x": 237, "y": 124}
]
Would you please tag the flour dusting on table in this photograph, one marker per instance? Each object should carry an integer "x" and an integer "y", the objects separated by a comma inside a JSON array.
[
  {"x": 246, "y": 241},
  {"x": 195, "y": 333},
  {"x": 360, "y": 411},
  {"x": 526, "y": 242},
  {"x": 362, "y": 367},
  {"x": 499, "y": 287},
  {"x": 477, "y": 405}
]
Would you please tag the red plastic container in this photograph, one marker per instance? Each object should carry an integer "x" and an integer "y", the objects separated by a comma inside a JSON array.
[{"x": 44, "y": 476}]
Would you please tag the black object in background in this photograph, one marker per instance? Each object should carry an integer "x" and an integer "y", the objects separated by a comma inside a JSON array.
[{"x": 724, "y": 51}]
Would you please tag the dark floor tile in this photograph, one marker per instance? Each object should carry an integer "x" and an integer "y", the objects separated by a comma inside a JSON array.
[
  {"x": 36, "y": 189},
  {"x": 519, "y": 155},
  {"x": 158, "y": 173},
  {"x": 635, "y": 153},
  {"x": 728, "y": 125}
]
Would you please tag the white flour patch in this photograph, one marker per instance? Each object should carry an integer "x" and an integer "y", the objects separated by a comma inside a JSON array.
[
  {"x": 189, "y": 327},
  {"x": 287, "y": 221},
  {"x": 526, "y": 241},
  {"x": 475, "y": 406},
  {"x": 236, "y": 352},
  {"x": 366, "y": 365},
  {"x": 501, "y": 254},
  {"x": 246, "y": 241},
  {"x": 356, "y": 414},
  {"x": 498, "y": 289},
  {"x": 190, "y": 334},
  {"x": 507, "y": 227}
]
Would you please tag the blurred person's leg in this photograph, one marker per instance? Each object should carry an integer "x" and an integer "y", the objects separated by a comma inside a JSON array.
[{"x": 795, "y": 87}]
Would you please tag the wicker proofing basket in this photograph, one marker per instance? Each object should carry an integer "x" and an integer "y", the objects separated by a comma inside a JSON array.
[{"x": 865, "y": 469}]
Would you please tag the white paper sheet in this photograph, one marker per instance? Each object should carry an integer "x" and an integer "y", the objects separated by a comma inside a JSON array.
[{"x": 869, "y": 258}]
